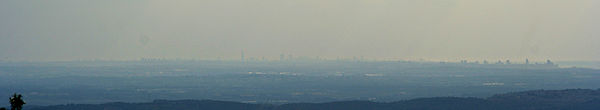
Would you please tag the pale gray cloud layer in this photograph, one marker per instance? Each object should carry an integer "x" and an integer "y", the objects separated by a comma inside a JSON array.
[{"x": 435, "y": 29}]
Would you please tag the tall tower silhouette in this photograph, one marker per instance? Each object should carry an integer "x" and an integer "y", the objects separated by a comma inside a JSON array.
[{"x": 242, "y": 56}]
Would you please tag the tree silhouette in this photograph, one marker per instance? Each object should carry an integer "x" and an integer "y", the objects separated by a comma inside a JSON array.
[{"x": 16, "y": 102}]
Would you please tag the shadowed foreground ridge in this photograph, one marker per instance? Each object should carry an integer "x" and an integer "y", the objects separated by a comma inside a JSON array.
[{"x": 570, "y": 99}]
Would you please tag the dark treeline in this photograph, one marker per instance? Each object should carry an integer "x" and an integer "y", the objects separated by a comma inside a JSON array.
[{"x": 570, "y": 99}]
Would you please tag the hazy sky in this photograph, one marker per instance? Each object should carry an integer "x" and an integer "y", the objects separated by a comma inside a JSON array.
[{"x": 406, "y": 29}]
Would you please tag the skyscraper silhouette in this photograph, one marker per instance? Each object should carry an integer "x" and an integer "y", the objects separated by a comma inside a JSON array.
[{"x": 242, "y": 56}]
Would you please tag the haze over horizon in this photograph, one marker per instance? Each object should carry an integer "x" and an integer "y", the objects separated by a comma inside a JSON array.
[{"x": 195, "y": 29}]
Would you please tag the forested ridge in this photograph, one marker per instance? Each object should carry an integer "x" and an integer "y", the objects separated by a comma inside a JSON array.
[{"x": 570, "y": 99}]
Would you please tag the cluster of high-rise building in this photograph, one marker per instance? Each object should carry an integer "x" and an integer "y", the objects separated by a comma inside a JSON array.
[
  {"x": 290, "y": 57},
  {"x": 527, "y": 62},
  {"x": 549, "y": 62}
]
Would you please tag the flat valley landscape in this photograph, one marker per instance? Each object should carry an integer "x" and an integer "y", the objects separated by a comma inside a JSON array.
[{"x": 275, "y": 82}]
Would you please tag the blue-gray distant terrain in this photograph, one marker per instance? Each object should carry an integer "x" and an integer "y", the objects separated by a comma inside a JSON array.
[{"x": 274, "y": 82}]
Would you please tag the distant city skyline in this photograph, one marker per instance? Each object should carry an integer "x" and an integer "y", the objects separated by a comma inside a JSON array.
[{"x": 290, "y": 57}]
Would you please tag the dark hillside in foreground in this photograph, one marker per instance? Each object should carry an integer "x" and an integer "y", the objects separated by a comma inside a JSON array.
[{"x": 570, "y": 99}]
